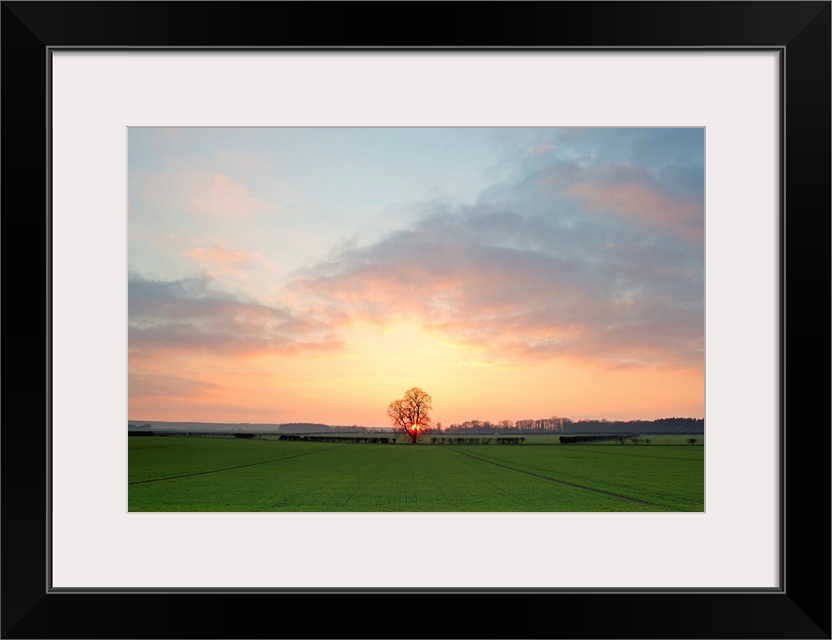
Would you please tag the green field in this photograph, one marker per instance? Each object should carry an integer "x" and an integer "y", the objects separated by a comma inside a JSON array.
[{"x": 227, "y": 474}]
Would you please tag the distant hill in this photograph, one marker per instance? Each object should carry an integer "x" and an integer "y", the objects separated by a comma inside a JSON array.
[
  {"x": 205, "y": 426},
  {"x": 304, "y": 427},
  {"x": 249, "y": 427}
]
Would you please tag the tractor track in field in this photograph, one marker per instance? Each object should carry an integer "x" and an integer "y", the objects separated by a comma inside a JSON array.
[
  {"x": 569, "y": 484},
  {"x": 239, "y": 466},
  {"x": 630, "y": 455}
]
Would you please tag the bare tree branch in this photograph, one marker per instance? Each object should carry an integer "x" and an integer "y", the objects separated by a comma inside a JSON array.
[{"x": 411, "y": 415}]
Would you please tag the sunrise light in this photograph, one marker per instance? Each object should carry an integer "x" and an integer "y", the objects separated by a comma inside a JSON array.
[{"x": 303, "y": 275}]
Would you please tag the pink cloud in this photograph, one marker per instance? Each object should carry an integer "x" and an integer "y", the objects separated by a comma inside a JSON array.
[
  {"x": 637, "y": 306},
  {"x": 223, "y": 196},
  {"x": 218, "y": 259},
  {"x": 541, "y": 149},
  {"x": 148, "y": 383},
  {"x": 191, "y": 315},
  {"x": 647, "y": 204},
  {"x": 196, "y": 194}
]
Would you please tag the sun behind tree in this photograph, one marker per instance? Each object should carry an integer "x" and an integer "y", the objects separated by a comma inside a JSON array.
[{"x": 411, "y": 415}]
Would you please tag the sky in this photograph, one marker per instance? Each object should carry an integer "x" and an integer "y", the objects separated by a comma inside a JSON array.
[{"x": 315, "y": 274}]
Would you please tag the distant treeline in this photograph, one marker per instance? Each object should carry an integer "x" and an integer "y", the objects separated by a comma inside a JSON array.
[
  {"x": 554, "y": 424},
  {"x": 348, "y": 439},
  {"x": 573, "y": 439},
  {"x": 467, "y": 440},
  {"x": 565, "y": 425}
]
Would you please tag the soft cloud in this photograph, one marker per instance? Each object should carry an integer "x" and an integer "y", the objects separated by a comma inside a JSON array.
[
  {"x": 574, "y": 259},
  {"x": 216, "y": 258},
  {"x": 214, "y": 195},
  {"x": 223, "y": 196},
  {"x": 542, "y": 148},
  {"x": 631, "y": 192},
  {"x": 155, "y": 384},
  {"x": 193, "y": 315},
  {"x": 594, "y": 250}
]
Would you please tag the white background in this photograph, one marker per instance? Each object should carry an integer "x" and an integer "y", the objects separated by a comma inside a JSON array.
[{"x": 96, "y": 543}]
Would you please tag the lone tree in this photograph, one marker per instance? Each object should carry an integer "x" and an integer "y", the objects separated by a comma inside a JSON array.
[{"x": 411, "y": 415}]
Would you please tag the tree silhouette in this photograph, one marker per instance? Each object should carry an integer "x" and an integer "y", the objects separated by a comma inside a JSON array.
[{"x": 411, "y": 415}]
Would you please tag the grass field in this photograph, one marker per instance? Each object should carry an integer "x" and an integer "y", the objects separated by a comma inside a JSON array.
[{"x": 226, "y": 474}]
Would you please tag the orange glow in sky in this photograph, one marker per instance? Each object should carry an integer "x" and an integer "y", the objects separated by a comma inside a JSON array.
[{"x": 314, "y": 275}]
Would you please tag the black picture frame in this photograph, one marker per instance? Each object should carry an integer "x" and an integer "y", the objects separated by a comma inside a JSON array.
[{"x": 799, "y": 608}]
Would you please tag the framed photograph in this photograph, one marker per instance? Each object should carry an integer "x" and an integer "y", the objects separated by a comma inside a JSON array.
[
  {"x": 386, "y": 285},
  {"x": 223, "y": 191}
]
